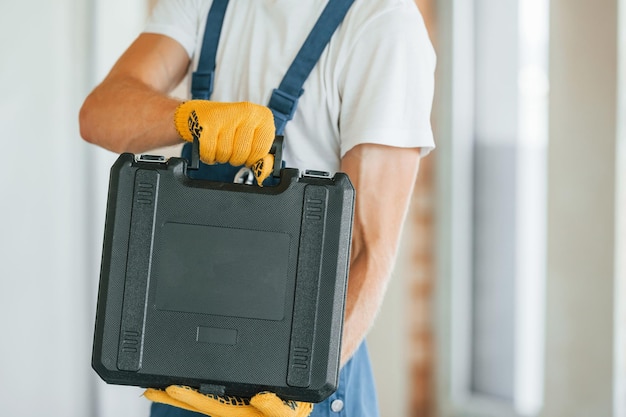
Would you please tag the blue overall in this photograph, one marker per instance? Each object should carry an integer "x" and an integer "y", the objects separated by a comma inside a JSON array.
[{"x": 356, "y": 393}]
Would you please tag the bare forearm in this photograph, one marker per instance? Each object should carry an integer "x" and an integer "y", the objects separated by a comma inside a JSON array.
[
  {"x": 366, "y": 291},
  {"x": 380, "y": 210},
  {"x": 130, "y": 111},
  {"x": 125, "y": 115}
]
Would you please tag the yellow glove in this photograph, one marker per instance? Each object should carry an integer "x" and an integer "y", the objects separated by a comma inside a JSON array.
[
  {"x": 264, "y": 404},
  {"x": 234, "y": 133}
]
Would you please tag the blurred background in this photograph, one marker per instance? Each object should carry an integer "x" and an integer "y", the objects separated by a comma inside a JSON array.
[{"x": 509, "y": 297}]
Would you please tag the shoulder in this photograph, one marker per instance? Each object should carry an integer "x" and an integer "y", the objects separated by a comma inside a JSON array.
[
  {"x": 175, "y": 9},
  {"x": 178, "y": 19},
  {"x": 386, "y": 23},
  {"x": 384, "y": 12},
  {"x": 373, "y": 27}
]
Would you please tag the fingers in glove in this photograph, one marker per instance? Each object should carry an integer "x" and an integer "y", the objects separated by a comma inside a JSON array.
[
  {"x": 264, "y": 134},
  {"x": 263, "y": 168},
  {"x": 237, "y": 133},
  {"x": 242, "y": 143},
  {"x": 208, "y": 150},
  {"x": 254, "y": 136},
  {"x": 160, "y": 396},
  {"x": 272, "y": 406},
  {"x": 213, "y": 405},
  {"x": 224, "y": 146}
]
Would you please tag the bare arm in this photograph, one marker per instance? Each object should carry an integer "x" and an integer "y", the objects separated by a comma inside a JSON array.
[
  {"x": 130, "y": 111},
  {"x": 384, "y": 178}
]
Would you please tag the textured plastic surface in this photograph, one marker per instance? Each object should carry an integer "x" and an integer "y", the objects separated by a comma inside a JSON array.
[{"x": 225, "y": 287}]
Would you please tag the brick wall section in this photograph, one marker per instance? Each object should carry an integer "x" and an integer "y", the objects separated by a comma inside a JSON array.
[
  {"x": 420, "y": 291},
  {"x": 421, "y": 283}
]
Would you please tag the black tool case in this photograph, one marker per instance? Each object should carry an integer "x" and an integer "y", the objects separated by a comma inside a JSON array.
[{"x": 229, "y": 288}]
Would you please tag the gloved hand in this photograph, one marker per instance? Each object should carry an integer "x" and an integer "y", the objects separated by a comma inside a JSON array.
[
  {"x": 261, "y": 405},
  {"x": 236, "y": 133}
]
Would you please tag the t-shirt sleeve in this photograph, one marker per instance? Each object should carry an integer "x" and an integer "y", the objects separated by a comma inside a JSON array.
[
  {"x": 387, "y": 83},
  {"x": 178, "y": 19}
]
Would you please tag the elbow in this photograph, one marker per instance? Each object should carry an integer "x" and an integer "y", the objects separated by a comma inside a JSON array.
[
  {"x": 84, "y": 128},
  {"x": 94, "y": 127},
  {"x": 87, "y": 122}
]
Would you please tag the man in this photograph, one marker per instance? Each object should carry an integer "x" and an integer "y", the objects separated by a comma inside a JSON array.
[{"x": 365, "y": 111}]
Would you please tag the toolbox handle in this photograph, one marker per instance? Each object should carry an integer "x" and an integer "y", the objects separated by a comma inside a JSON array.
[
  {"x": 195, "y": 154},
  {"x": 276, "y": 150}
]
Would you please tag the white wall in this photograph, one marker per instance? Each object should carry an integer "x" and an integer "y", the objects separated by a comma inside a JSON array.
[
  {"x": 44, "y": 295},
  {"x": 581, "y": 334},
  {"x": 52, "y": 204},
  {"x": 585, "y": 349}
]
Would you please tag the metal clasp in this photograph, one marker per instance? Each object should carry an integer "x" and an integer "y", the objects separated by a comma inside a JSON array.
[{"x": 244, "y": 176}]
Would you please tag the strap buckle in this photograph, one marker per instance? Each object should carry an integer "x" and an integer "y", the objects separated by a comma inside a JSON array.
[
  {"x": 202, "y": 84},
  {"x": 283, "y": 105}
]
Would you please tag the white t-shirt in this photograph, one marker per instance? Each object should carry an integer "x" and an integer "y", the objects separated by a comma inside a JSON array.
[{"x": 373, "y": 83}]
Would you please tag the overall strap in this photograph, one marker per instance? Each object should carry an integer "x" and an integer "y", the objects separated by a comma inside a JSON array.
[
  {"x": 202, "y": 79},
  {"x": 284, "y": 99}
]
